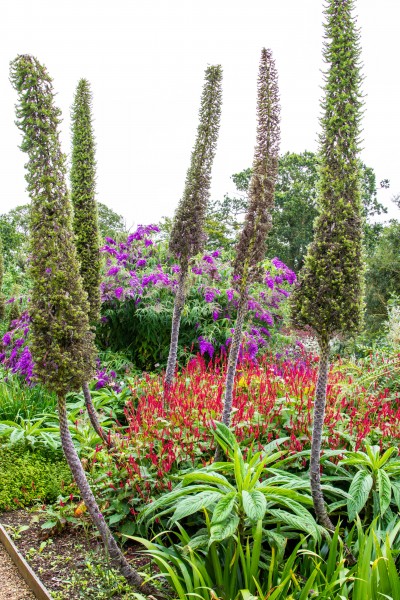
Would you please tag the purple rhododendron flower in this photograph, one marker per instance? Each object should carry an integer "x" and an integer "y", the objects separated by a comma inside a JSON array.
[
  {"x": 113, "y": 271},
  {"x": 230, "y": 294},
  {"x": 283, "y": 292},
  {"x": 216, "y": 253},
  {"x": 206, "y": 346},
  {"x": 197, "y": 270},
  {"x": 110, "y": 241},
  {"x": 118, "y": 292},
  {"x": 7, "y": 339},
  {"x": 278, "y": 263},
  {"x": 142, "y": 262},
  {"x": 208, "y": 259},
  {"x": 209, "y": 295},
  {"x": 215, "y": 315},
  {"x": 175, "y": 268}
]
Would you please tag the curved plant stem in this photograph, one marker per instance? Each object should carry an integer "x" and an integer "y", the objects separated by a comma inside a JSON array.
[
  {"x": 93, "y": 416},
  {"x": 117, "y": 558}
]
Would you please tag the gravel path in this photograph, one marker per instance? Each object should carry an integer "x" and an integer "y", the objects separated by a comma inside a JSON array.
[{"x": 12, "y": 586}]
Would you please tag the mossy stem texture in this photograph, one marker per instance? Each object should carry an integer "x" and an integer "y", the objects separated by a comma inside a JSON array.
[
  {"x": 319, "y": 415},
  {"x": 176, "y": 320},
  {"x": 93, "y": 415},
  {"x": 232, "y": 364},
  {"x": 117, "y": 558}
]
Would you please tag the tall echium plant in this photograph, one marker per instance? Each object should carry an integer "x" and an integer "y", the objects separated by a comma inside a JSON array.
[
  {"x": 85, "y": 219},
  {"x": 250, "y": 250},
  {"x": 62, "y": 343},
  {"x": 187, "y": 235},
  {"x": 329, "y": 296}
]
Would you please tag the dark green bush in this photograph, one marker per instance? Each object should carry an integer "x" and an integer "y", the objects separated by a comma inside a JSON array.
[{"x": 28, "y": 477}]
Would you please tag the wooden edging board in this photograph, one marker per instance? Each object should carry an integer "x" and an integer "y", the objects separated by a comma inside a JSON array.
[{"x": 34, "y": 584}]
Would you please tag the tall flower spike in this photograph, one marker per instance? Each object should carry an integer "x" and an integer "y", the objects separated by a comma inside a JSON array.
[
  {"x": 251, "y": 247},
  {"x": 329, "y": 298},
  {"x": 187, "y": 235},
  {"x": 83, "y": 196},
  {"x": 85, "y": 221},
  {"x": 250, "y": 250},
  {"x": 62, "y": 343}
]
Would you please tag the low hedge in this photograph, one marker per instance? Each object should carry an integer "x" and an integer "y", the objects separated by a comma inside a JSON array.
[{"x": 26, "y": 478}]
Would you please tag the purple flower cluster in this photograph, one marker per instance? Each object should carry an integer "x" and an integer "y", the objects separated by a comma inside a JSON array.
[{"x": 15, "y": 355}]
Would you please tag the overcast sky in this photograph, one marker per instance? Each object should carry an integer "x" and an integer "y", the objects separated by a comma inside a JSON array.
[{"x": 145, "y": 62}]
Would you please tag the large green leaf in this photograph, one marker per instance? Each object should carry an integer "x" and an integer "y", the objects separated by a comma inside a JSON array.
[
  {"x": 254, "y": 504},
  {"x": 224, "y": 529},
  {"x": 224, "y": 508},
  {"x": 385, "y": 490},
  {"x": 191, "y": 504},
  {"x": 359, "y": 492},
  {"x": 295, "y": 521},
  {"x": 204, "y": 477}
]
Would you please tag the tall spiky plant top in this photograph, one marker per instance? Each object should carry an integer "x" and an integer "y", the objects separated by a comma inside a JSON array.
[
  {"x": 83, "y": 195},
  {"x": 329, "y": 297},
  {"x": 187, "y": 235},
  {"x": 62, "y": 345},
  {"x": 251, "y": 246}
]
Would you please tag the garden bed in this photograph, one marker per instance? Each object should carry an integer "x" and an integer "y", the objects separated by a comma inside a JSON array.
[{"x": 71, "y": 564}]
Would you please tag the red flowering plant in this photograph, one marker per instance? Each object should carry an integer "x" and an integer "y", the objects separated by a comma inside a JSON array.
[
  {"x": 138, "y": 292},
  {"x": 273, "y": 399}
]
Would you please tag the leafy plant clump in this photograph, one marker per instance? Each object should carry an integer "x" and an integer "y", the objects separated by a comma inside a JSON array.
[{"x": 27, "y": 478}]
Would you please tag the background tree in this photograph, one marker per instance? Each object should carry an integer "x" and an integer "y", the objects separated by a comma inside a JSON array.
[
  {"x": 187, "y": 235},
  {"x": 294, "y": 211},
  {"x": 329, "y": 297},
  {"x": 251, "y": 246},
  {"x": 61, "y": 343},
  {"x": 382, "y": 276},
  {"x": 85, "y": 220}
]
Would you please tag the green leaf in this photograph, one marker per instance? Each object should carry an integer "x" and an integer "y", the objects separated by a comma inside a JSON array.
[
  {"x": 203, "y": 476},
  {"x": 224, "y": 508},
  {"x": 254, "y": 504},
  {"x": 191, "y": 504},
  {"x": 294, "y": 521},
  {"x": 359, "y": 492},
  {"x": 385, "y": 491},
  {"x": 222, "y": 530}
]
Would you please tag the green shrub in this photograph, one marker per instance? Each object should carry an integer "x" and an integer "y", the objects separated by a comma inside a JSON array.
[{"x": 27, "y": 477}]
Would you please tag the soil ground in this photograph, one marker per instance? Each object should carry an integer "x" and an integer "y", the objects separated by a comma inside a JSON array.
[{"x": 71, "y": 564}]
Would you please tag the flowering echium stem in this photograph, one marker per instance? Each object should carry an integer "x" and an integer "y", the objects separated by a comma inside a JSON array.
[
  {"x": 251, "y": 247},
  {"x": 117, "y": 558},
  {"x": 85, "y": 221},
  {"x": 62, "y": 343},
  {"x": 328, "y": 298},
  {"x": 187, "y": 235}
]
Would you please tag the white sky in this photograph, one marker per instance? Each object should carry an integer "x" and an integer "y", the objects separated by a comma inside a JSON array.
[{"x": 145, "y": 62}]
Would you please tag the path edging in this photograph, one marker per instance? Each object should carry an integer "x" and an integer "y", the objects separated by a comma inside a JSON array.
[{"x": 32, "y": 580}]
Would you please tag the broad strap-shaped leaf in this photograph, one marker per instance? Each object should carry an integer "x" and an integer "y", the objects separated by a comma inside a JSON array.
[
  {"x": 225, "y": 508},
  {"x": 225, "y": 437},
  {"x": 192, "y": 504},
  {"x": 385, "y": 457},
  {"x": 254, "y": 504},
  {"x": 385, "y": 491},
  {"x": 207, "y": 477},
  {"x": 296, "y": 522},
  {"x": 224, "y": 529},
  {"x": 359, "y": 491}
]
